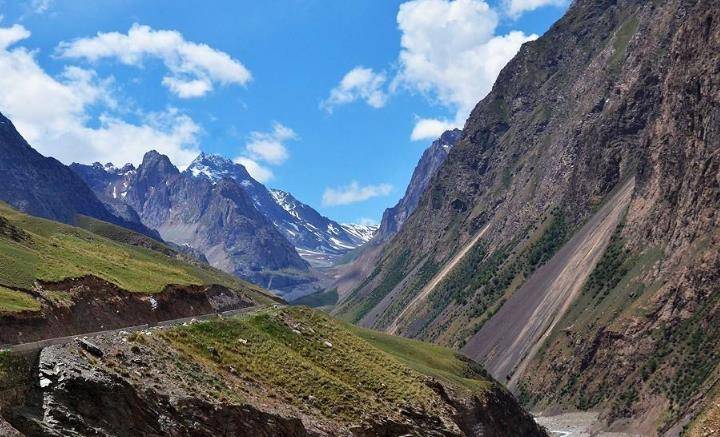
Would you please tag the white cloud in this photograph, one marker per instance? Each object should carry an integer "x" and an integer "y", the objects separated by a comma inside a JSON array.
[
  {"x": 11, "y": 35},
  {"x": 270, "y": 146},
  {"x": 515, "y": 8},
  {"x": 54, "y": 113},
  {"x": 40, "y": 6},
  {"x": 187, "y": 88},
  {"x": 450, "y": 52},
  {"x": 258, "y": 172},
  {"x": 431, "y": 128},
  {"x": 360, "y": 83},
  {"x": 354, "y": 193},
  {"x": 364, "y": 221},
  {"x": 194, "y": 68}
]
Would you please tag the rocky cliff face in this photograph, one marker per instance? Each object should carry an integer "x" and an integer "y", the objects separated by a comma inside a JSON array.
[
  {"x": 429, "y": 164},
  {"x": 46, "y": 188},
  {"x": 216, "y": 217},
  {"x": 316, "y": 237},
  {"x": 615, "y": 90}
]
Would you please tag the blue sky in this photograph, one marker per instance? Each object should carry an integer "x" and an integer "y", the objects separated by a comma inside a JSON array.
[{"x": 254, "y": 81}]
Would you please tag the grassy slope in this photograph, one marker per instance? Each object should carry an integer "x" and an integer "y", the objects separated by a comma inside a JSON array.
[
  {"x": 36, "y": 249},
  {"x": 362, "y": 373},
  {"x": 320, "y": 299}
]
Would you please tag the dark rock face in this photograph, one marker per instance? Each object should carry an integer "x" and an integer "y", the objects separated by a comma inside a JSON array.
[
  {"x": 429, "y": 164},
  {"x": 614, "y": 90},
  {"x": 217, "y": 218},
  {"x": 305, "y": 228},
  {"x": 46, "y": 188}
]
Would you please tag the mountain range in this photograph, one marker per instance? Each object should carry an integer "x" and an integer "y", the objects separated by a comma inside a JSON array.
[
  {"x": 213, "y": 211},
  {"x": 215, "y": 207}
]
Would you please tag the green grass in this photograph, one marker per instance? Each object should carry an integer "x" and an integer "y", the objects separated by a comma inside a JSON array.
[
  {"x": 621, "y": 41},
  {"x": 284, "y": 351},
  {"x": 15, "y": 301},
  {"x": 34, "y": 249},
  {"x": 359, "y": 305},
  {"x": 429, "y": 359},
  {"x": 319, "y": 299},
  {"x": 121, "y": 235}
]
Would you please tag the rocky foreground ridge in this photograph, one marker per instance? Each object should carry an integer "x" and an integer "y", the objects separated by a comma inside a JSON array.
[{"x": 277, "y": 372}]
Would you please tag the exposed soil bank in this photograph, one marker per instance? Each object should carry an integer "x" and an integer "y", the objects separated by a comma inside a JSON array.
[{"x": 90, "y": 304}]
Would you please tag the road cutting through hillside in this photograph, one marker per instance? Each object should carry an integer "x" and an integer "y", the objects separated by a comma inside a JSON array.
[
  {"x": 436, "y": 280},
  {"x": 41, "y": 344},
  {"x": 509, "y": 340}
]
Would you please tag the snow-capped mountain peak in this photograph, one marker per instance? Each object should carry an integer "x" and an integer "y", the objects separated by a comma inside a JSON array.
[
  {"x": 363, "y": 233},
  {"x": 216, "y": 167},
  {"x": 316, "y": 237}
]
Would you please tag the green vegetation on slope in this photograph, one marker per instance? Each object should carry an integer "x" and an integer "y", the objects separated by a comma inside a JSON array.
[
  {"x": 613, "y": 288},
  {"x": 121, "y": 235},
  {"x": 620, "y": 43},
  {"x": 358, "y": 306},
  {"x": 34, "y": 249},
  {"x": 482, "y": 280},
  {"x": 14, "y": 301},
  {"x": 315, "y": 362},
  {"x": 319, "y": 299},
  {"x": 429, "y": 359}
]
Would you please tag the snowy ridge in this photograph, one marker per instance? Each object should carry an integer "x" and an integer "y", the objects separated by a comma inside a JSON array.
[{"x": 316, "y": 238}]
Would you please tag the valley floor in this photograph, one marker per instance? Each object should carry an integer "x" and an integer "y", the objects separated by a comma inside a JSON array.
[{"x": 578, "y": 424}]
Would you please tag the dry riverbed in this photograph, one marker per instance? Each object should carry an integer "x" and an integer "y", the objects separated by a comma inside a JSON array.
[{"x": 580, "y": 424}]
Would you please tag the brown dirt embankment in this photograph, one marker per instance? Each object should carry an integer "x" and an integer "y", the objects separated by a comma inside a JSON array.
[{"x": 90, "y": 304}]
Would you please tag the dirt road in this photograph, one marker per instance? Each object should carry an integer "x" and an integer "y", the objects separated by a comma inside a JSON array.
[{"x": 36, "y": 345}]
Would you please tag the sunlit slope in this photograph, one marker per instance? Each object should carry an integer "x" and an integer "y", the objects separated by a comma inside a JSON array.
[{"x": 34, "y": 249}]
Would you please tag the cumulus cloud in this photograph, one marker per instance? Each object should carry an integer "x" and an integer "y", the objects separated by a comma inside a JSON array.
[
  {"x": 360, "y": 83},
  {"x": 515, "y": 8},
  {"x": 354, "y": 193},
  {"x": 259, "y": 172},
  {"x": 431, "y": 128},
  {"x": 451, "y": 53},
  {"x": 268, "y": 148},
  {"x": 54, "y": 113},
  {"x": 193, "y": 68}
]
